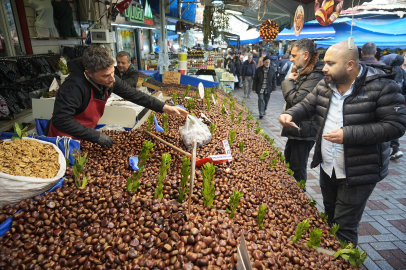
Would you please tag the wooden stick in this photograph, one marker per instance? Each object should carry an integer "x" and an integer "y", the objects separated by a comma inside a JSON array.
[
  {"x": 168, "y": 144},
  {"x": 192, "y": 177}
]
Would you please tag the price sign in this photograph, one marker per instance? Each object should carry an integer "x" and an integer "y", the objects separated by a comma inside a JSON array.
[
  {"x": 171, "y": 77},
  {"x": 201, "y": 90}
]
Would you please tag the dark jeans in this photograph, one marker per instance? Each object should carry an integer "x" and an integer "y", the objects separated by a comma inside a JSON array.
[
  {"x": 297, "y": 154},
  {"x": 263, "y": 100},
  {"x": 344, "y": 204},
  {"x": 395, "y": 145}
]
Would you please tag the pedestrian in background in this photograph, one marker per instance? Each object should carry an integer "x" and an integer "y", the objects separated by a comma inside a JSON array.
[
  {"x": 284, "y": 65},
  {"x": 264, "y": 83},
  {"x": 306, "y": 74},
  {"x": 358, "y": 109},
  {"x": 248, "y": 71},
  {"x": 261, "y": 60},
  {"x": 368, "y": 53},
  {"x": 237, "y": 72},
  {"x": 395, "y": 61}
]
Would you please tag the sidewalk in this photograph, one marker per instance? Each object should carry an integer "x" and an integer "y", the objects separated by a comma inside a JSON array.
[{"x": 382, "y": 231}]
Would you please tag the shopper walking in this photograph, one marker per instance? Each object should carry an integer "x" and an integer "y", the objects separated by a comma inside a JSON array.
[
  {"x": 368, "y": 53},
  {"x": 359, "y": 109},
  {"x": 284, "y": 65},
  {"x": 240, "y": 71},
  {"x": 395, "y": 61},
  {"x": 248, "y": 71},
  {"x": 264, "y": 83},
  {"x": 305, "y": 75},
  {"x": 237, "y": 73},
  {"x": 274, "y": 62}
]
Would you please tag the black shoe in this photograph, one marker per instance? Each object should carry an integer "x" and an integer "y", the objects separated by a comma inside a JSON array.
[
  {"x": 304, "y": 189},
  {"x": 261, "y": 116}
]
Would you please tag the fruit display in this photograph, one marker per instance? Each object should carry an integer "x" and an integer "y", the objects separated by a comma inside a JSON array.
[
  {"x": 269, "y": 30},
  {"x": 195, "y": 54},
  {"x": 327, "y": 11},
  {"x": 28, "y": 158},
  {"x": 210, "y": 62},
  {"x": 104, "y": 226}
]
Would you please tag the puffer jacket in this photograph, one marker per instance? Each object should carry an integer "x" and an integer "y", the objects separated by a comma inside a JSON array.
[
  {"x": 130, "y": 76},
  {"x": 373, "y": 115},
  {"x": 294, "y": 91}
]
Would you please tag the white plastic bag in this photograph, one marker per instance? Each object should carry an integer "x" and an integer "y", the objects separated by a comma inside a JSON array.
[
  {"x": 14, "y": 188},
  {"x": 195, "y": 129},
  {"x": 114, "y": 127}
]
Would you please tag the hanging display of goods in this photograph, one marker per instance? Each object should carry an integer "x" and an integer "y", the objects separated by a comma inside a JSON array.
[
  {"x": 269, "y": 30},
  {"x": 327, "y": 11},
  {"x": 299, "y": 20}
]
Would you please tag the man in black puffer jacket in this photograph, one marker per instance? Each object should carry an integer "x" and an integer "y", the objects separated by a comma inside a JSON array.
[
  {"x": 305, "y": 75},
  {"x": 359, "y": 109}
]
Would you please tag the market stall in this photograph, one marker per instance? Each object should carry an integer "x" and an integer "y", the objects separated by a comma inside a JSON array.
[{"x": 128, "y": 218}]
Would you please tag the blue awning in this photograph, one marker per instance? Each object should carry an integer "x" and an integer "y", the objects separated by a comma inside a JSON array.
[
  {"x": 308, "y": 31},
  {"x": 245, "y": 41}
]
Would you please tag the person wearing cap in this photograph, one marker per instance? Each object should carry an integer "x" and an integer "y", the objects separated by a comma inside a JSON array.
[{"x": 264, "y": 82}]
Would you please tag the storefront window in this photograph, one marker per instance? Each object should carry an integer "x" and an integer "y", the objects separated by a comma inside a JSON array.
[{"x": 9, "y": 44}]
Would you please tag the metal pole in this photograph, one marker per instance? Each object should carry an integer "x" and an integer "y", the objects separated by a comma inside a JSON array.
[{"x": 163, "y": 28}]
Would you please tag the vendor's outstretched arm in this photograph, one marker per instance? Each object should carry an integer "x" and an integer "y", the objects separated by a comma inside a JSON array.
[{"x": 131, "y": 94}]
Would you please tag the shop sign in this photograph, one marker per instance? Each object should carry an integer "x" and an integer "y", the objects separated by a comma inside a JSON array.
[
  {"x": 139, "y": 14},
  {"x": 171, "y": 77}
]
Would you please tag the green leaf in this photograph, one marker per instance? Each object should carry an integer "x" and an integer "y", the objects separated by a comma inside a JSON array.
[
  {"x": 324, "y": 217},
  {"x": 241, "y": 147},
  {"x": 261, "y": 216},
  {"x": 301, "y": 184},
  {"x": 84, "y": 181},
  {"x": 300, "y": 230},
  {"x": 233, "y": 202},
  {"x": 208, "y": 172},
  {"x": 315, "y": 235},
  {"x": 231, "y": 137},
  {"x": 312, "y": 202},
  {"x": 343, "y": 243},
  {"x": 334, "y": 229}
]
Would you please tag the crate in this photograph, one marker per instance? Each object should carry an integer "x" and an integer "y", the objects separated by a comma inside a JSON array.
[{"x": 152, "y": 86}]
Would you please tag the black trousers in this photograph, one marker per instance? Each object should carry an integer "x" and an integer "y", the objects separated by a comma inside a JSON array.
[
  {"x": 344, "y": 204},
  {"x": 297, "y": 153},
  {"x": 280, "y": 79},
  {"x": 395, "y": 145}
]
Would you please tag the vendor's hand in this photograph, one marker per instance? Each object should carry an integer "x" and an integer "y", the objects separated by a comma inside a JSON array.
[
  {"x": 293, "y": 76},
  {"x": 335, "y": 136},
  {"x": 285, "y": 119},
  {"x": 175, "y": 111},
  {"x": 105, "y": 141}
]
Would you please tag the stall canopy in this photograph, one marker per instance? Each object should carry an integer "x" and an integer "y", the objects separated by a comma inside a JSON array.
[
  {"x": 384, "y": 32},
  {"x": 309, "y": 31},
  {"x": 249, "y": 37},
  {"x": 282, "y": 11}
]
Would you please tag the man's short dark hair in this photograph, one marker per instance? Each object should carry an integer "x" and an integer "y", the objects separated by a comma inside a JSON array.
[
  {"x": 305, "y": 45},
  {"x": 369, "y": 49},
  {"x": 123, "y": 53},
  {"x": 96, "y": 58}
]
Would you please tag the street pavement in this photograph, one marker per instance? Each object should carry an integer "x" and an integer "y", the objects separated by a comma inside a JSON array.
[{"x": 382, "y": 231}]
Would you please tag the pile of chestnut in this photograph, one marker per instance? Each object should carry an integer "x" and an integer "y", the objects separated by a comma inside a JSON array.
[{"x": 102, "y": 226}]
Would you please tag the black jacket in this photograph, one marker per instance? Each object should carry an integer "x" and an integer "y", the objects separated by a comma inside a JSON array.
[
  {"x": 238, "y": 68},
  {"x": 248, "y": 69},
  {"x": 274, "y": 62},
  {"x": 294, "y": 91},
  {"x": 255, "y": 58},
  {"x": 74, "y": 96},
  {"x": 258, "y": 79},
  {"x": 231, "y": 67},
  {"x": 130, "y": 76},
  {"x": 281, "y": 64},
  {"x": 373, "y": 115}
]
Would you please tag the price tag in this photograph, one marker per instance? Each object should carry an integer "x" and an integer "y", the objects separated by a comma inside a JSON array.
[
  {"x": 214, "y": 100},
  {"x": 205, "y": 117},
  {"x": 201, "y": 90},
  {"x": 54, "y": 86},
  {"x": 226, "y": 147},
  {"x": 171, "y": 77}
]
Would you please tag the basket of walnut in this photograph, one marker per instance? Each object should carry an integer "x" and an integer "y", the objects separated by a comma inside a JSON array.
[{"x": 28, "y": 167}]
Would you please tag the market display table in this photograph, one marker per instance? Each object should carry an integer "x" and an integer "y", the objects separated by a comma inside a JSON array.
[{"x": 226, "y": 85}]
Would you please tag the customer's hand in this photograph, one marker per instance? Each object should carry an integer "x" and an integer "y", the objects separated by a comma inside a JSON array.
[
  {"x": 175, "y": 111},
  {"x": 285, "y": 119},
  {"x": 335, "y": 136},
  {"x": 293, "y": 76}
]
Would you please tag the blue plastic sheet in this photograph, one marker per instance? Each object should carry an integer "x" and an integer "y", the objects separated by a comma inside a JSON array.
[
  {"x": 157, "y": 126},
  {"x": 134, "y": 163},
  {"x": 188, "y": 80},
  {"x": 6, "y": 225}
]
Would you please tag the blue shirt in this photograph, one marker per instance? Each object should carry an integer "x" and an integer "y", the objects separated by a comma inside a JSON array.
[{"x": 333, "y": 153}]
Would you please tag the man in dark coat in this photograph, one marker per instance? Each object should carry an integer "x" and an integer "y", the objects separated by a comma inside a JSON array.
[
  {"x": 124, "y": 70},
  {"x": 263, "y": 84},
  {"x": 368, "y": 52},
  {"x": 305, "y": 75},
  {"x": 359, "y": 109},
  {"x": 248, "y": 72}
]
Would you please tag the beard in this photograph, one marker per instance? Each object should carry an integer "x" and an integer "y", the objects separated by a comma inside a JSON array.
[{"x": 339, "y": 78}]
